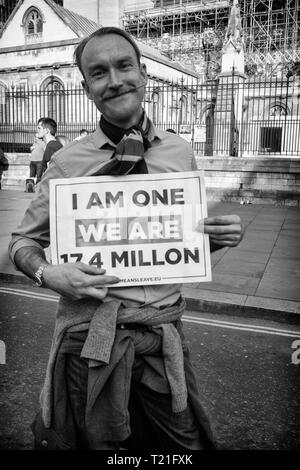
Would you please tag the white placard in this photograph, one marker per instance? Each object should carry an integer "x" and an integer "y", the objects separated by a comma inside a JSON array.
[
  {"x": 140, "y": 228},
  {"x": 185, "y": 131},
  {"x": 200, "y": 133}
]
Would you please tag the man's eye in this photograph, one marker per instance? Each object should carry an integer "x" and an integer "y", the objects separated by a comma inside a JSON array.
[
  {"x": 97, "y": 73},
  {"x": 126, "y": 65}
]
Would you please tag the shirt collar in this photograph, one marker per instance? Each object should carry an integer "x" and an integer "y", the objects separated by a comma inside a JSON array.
[
  {"x": 154, "y": 133},
  {"x": 100, "y": 139}
]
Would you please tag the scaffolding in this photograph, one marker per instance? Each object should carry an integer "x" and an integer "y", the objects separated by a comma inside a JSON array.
[
  {"x": 271, "y": 29},
  {"x": 177, "y": 17}
]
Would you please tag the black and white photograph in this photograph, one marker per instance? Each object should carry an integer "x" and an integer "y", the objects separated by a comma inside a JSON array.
[{"x": 149, "y": 228}]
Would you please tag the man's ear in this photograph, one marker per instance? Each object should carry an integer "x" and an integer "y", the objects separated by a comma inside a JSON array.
[
  {"x": 86, "y": 88},
  {"x": 143, "y": 70}
]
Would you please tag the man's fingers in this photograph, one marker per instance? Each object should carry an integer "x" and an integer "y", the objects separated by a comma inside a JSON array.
[
  {"x": 223, "y": 229},
  {"x": 102, "y": 280},
  {"x": 230, "y": 243},
  {"x": 220, "y": 224},
  {"x": 86, "y": 268},
  {"x": 96, "y": 293},
  {"x": 96, "y": 276},
  {"x": 222, "y": 220},
  {"x": 225, "y": 236}
]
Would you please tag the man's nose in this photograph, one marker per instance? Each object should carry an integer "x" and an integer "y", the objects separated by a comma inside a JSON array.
[{"x": 114, "y": 79}]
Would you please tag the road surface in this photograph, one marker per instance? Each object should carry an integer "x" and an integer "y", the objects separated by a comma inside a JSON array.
[{"x": 248, "y": 372}]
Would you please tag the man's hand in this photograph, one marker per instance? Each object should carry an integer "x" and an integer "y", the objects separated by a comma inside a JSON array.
[
  {"x": 78, "y": 280},
  {"x": 223, "y": 230}
]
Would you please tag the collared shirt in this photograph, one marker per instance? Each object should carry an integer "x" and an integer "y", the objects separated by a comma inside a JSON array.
[{"x": 168, "y": 153}]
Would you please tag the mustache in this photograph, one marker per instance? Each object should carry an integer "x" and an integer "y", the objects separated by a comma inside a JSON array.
[{"x": 121, "y": 93}]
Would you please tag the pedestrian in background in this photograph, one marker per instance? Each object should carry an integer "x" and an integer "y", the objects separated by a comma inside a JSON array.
[
  {"x": 36, "y": 158},
  {"x": 3, "y": 164},
  {"x": 46, "y": 130},
  {"x": 83, "y": 133}
]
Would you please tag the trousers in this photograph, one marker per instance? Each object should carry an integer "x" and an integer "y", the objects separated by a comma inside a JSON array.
[
  {"x": 35, "y": 170},
  {"x": 142, "y": 409},
  {"x": 153, "y": 423}
]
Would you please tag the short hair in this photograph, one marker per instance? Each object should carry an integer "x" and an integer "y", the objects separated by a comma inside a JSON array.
[
  {"x": 49, "y": 123},
  {"x": 105, "y": 30},
  {"x": 83, "y": 130},
  {"x": 171, "y": 130}
]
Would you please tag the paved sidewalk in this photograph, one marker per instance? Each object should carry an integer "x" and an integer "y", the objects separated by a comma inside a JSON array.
[{"x": 260, "y": 277}]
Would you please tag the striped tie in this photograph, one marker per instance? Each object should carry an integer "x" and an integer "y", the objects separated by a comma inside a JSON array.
[{"x": 129, "y": 154}]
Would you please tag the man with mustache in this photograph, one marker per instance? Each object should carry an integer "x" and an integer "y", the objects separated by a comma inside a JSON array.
[{"x": 119, "y": 374}]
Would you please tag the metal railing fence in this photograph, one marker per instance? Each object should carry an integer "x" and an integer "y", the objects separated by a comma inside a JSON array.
[{"x": 230, "y": 116}]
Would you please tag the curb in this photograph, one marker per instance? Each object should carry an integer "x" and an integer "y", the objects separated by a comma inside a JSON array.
[
  {"x": 203, "y": 305},
  {"x": 210, "y": 306},
  {"x": 16, "y": 278}
]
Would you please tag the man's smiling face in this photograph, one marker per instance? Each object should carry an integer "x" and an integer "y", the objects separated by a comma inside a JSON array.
[{"x": 114, "y": 79}]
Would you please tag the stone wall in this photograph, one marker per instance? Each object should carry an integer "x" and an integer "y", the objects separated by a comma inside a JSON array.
[
  {"x": 14, "y": 177},
  {"x": 255, "y": 180}
]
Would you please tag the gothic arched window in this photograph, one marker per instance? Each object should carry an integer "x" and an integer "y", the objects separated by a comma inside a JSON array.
[
  {"x": 3, "y": 103},
  {"x": 183, "y": 110},
  {"x": 33, "y": 25},
  {"x": 155, "y": 107},
  {"x": 53, "y": 93},
  {"x": 278, "y": 110}
]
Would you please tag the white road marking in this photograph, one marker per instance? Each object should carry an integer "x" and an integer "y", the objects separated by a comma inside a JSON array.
[
  {"x": 246, "y": 325},
  {"x": 187, "y": 318},
  {"x": 30, "y": 294},
  {"x": 255, "y": 329}
]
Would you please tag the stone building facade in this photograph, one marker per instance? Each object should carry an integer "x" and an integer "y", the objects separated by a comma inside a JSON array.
[{"x": 36, "y": 56}]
